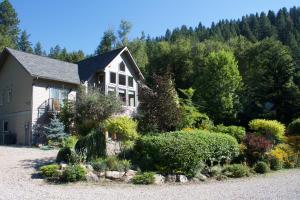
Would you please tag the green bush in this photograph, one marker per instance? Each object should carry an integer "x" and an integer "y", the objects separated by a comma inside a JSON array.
[
  {"x": 236, "y": 170},
  {"x": 70, "y": 141},
  {"x": 99, "y": 165},
  {"x": 145, "y": 178},
  {"x": 50, "y": 171},
  {"x": 183, "y": 152},
  {"x": 238, "y": 132},
  {"x": 271, "y": 129},
  {"x": 74, "y": 173},
  {"x": 294, "y": 127},
  {"x": 261, "y": 167},
  {"x": 111, "y": 163},
  {"x": 67, "y": 155},
  {"x": 275, "y": 163}
]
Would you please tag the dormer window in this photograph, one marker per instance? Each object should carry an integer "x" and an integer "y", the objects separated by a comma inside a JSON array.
[{"x": 122, "y": 67}]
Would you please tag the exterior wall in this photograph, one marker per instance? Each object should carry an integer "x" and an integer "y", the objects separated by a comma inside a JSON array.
[
  {"x": 41, "y": 94},
  {"x": 114, "y": 67},
  {"x": 17, "y": 112}
]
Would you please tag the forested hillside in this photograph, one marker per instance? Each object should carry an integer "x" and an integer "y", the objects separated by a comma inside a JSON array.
[{"x": 239, "y": 69}]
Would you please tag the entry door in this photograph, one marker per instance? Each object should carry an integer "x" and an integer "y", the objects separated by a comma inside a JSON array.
[{"x": 27, "y": 134}]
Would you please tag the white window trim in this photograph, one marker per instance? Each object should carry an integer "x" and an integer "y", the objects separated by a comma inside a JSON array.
[
  {"x": 116, "y": 74},
  {"x": 124, "y": 67}
]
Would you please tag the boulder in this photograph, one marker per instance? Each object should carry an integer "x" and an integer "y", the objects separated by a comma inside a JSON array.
[
  {"x": 159, "y": 179},
  {"x": 171, "y": 178},
  {"x": 181, "y": 178},
  {"x": 91, "y": 177},
  {"x": 114, "y": 174},
  {"x": 127, "y": 177}
]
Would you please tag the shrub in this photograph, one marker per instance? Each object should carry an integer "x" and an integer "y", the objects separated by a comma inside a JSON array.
[
  {"x": 285, "y": 154},
  {"x": 271, "y": 129},
  {"x": 182, "y": 152},
  {"x": 67, "y": 155},
  {"x": 261, "y": 167},
  {"x": 145, "y": 178},
  {"x": 275, "y": 163},
  {"x": 294, "y": 127},
  {"x": 236, "y": 170},
  {"x": 99, "y": 165},
  {"x": 237, "y": 132},
  {"x": 74, "y": 173},
  {"x": 50, "y": 171},
  {"x": 70, "y": 142},
  {"x": 55, "y": 131},
  {"x": 114, "y": 164},
  {"x": 111, "y": 163},
  {"x": 257, "y": 146}
]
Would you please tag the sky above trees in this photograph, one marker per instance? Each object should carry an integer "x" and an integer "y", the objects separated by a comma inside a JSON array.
[{"x": 80, "y": 24}]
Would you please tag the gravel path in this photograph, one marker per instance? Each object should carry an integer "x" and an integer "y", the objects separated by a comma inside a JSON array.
[{"x": 18, "y": 180}]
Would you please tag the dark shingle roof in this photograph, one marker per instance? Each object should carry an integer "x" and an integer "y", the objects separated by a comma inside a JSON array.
[
  {"x": 89, "y": 66},
  {"x": 47, "y": 68}
]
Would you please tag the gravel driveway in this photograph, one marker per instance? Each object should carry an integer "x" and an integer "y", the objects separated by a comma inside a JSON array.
[{"x": 18, "y": 181}]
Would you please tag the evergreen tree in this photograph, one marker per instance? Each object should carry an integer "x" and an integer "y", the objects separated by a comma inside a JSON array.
[
  {"x": 9, "y": 22},
  {"x": 55, "y": 130},
  {"x": 24, "y": 44},
  {"x": 38, "y": 49},
  {"x": 107, "y": 43},
  {"x": 124, "y": 30},
  {"x": 55, "y": 52}
]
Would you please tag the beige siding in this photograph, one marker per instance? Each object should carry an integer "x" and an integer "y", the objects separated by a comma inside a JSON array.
[{"x": 18, "y": 111}]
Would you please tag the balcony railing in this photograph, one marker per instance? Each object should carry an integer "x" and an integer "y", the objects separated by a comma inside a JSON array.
[{"x": 50, "y": 106}]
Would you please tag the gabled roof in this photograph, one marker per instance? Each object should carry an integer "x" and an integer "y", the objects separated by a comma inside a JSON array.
[
  {"x": 90, "y": 66},
  {"x": 44, "y": 67}
]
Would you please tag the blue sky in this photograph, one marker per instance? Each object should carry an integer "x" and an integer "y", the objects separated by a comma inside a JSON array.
[{"x": 79, "y": 24}]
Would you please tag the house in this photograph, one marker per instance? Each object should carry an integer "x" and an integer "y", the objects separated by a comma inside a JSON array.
[{"x": 33, "y": 86}]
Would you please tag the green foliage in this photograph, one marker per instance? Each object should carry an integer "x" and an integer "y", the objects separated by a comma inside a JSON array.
[
  {"x": 50, "y": 171},
  {"x": 218, "y": 86},
  {"x": 275, "y": 163},
  {"x": 55, "y": 131},
  {"x": 107, "y": 43},
  {"x": 145, "y": 178},
  {"x": 92, "y": 108},
  {"x": 24, "y": 44},
  {"x": 237, "y": 132},
  {"x": 236, "y": 170},
  {"x": 294, "y": 127},
  {"x": 261, "y": 167},
  {"x": 66, "y": 115},
  {"x": 159, "y": 106},
  {"x": 70, "y": 141},
  {"x": 183, "y": 152},
  {"x": 67, "y": 155},
  {"x": 74, "y": 173},
  {"x": 92, "y": 145},
  {"x": 123, "y": 126},
  {"x": 271, "y": 129},
  {"x": 111, "y": 163}
]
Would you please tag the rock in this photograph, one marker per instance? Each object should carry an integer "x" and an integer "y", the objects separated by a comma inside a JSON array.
[
  {"x": 159, "y": 179},
  {"x": 114, "y": 174},
  {"x": 91, "y": 177},
  {"x": 201, "y": 177},
  {"x": 129, "y": 175},
  {"x": 171, "y": 178},
  {"x": 89, "y": 167},
  {"x": 181, "y": 178},
  {"x": 63, "y": 166}
]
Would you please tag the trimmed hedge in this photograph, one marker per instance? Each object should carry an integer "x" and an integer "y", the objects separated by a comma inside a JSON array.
[
  {"x": 237, "y": 132},
  {"x": 271, "y": 129},
  {"x": 183, "y": 152}
]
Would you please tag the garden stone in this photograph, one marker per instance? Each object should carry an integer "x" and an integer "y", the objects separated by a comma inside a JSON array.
[
  {"x": 201, "y": 177},
  {"x": 114, "y": 175},
  {"x": 171, "y": 178},
  {"x": 131, "y": 173},
  {"x": 127, "y": 177},
  {"x": 63, "y": 165},
  {"x": 91, "y": 177},
  {"x": 159, "y": 179},
  {"x": 89, "y": 167},
  {"x": 181, "y": 179}
]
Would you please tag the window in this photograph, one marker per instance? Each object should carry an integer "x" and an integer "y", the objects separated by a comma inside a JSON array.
[
  {"x": 122, "y": 67},
  {"x": 111, "y": 91},
  {"x": 9, "y": 95},
  {"x": 130, "y": 81},
  {"x": 122, "y": 79},
  {"x": 122, "y": 96},
  {"x": 1, "y": 98},
  {"x": 131, "y": 98},
  {"x": 5, "y": 126},
  {"x": 112, "y": 77}
]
